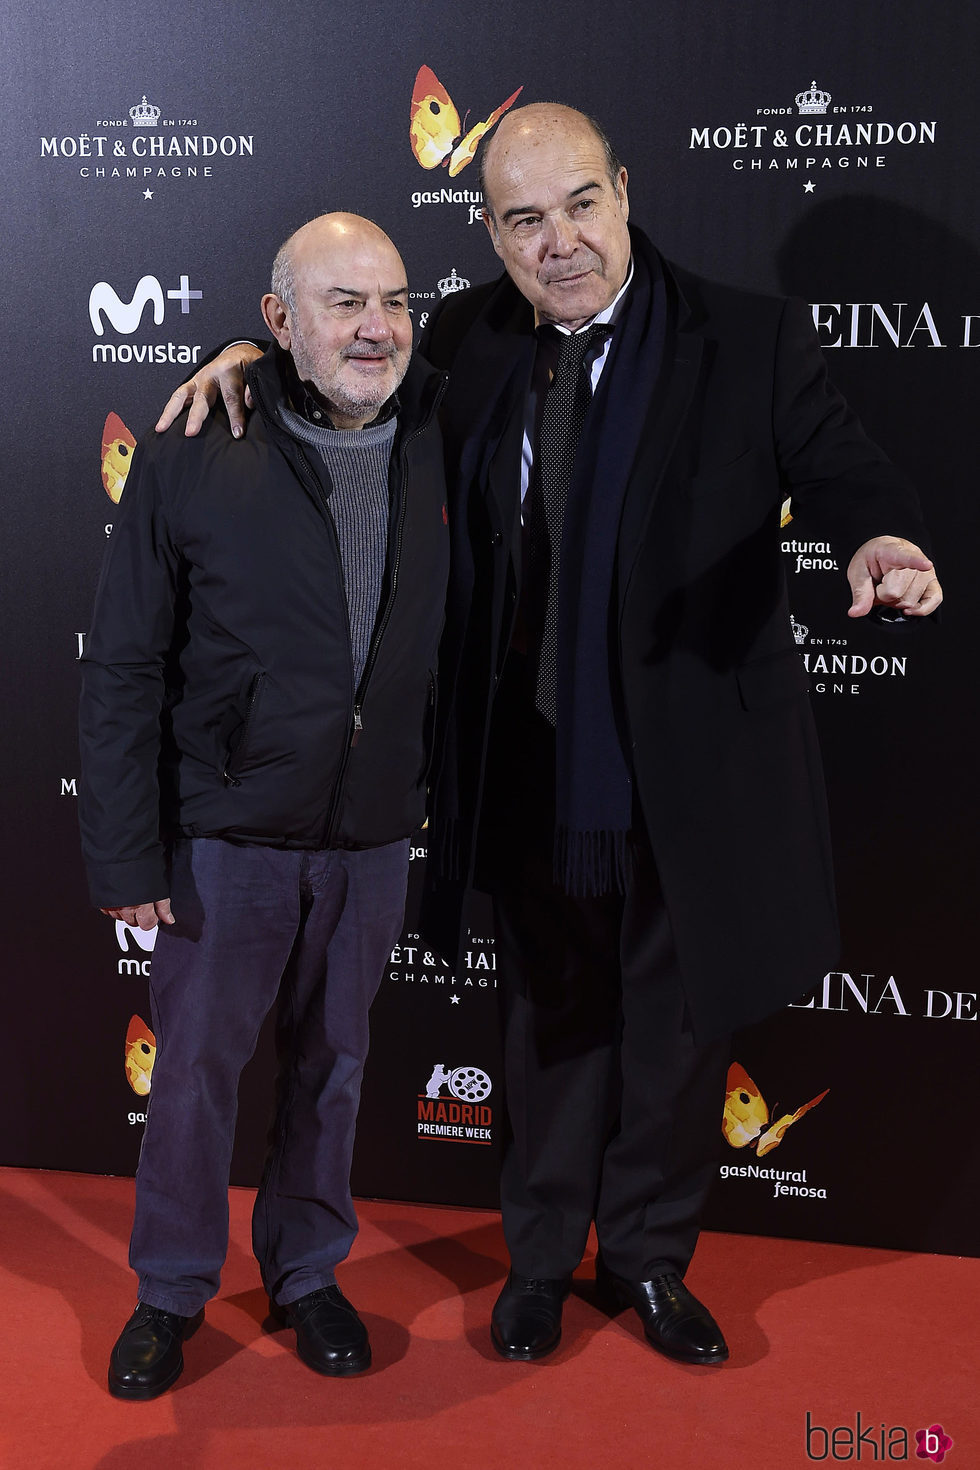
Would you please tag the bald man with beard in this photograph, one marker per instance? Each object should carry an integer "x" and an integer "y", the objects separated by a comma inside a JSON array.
[{"x": 258, "y": 688}]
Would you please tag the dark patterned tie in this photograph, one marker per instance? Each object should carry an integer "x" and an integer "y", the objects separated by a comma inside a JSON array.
[{"x": 563, "y": 414}]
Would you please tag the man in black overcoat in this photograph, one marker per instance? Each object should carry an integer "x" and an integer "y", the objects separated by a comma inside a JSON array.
[{"x": 628, "y": 762}]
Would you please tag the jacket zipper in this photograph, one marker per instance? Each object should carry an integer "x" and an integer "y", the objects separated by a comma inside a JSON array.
[
  {"x": 356, "y": 724},
  {"x": 313, "y": 484},
  {"x": 379, "y": 632},
  {"x": 237, "y": 759}
]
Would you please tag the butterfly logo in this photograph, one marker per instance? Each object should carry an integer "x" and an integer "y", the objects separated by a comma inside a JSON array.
[
  {"x": 141, "y": 1052},
  {"x": 117, "y": 456},
  {"x": 746, "y": 1114},
  {"x": 436, "y": 132}
]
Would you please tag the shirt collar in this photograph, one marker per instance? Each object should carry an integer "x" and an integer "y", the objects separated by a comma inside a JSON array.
[{"x": 312, "y": 408}]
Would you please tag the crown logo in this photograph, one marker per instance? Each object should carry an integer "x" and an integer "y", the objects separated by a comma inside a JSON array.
[
  {"x": 812, "y": 101},
  {"x": 452, "y": 283},
  {"x": 144, "y": 114},
  {"x": 800, "y": 630}
]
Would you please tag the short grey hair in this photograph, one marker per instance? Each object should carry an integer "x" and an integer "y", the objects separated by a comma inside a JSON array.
[
  {"x": 283, "y": 280},
  {"x": 613, "y": 161}
]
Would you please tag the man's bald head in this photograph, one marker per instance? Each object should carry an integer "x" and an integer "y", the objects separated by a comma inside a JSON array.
[
  {"x": 535, "y": 119},
  {"x": 328, "y": 232},
  {"x": 339, "y": 306}
]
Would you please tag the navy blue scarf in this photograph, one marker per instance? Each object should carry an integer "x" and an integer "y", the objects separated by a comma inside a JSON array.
[{"x": 594, "y": 789}]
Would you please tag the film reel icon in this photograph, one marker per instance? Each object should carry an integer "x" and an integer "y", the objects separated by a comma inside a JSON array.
[{"x": 470, "y": 1084}]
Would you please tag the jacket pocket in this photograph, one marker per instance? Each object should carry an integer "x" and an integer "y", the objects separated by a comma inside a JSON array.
[
  {"x": 772, "y": 680},
  {"x": 238, "y": 743}
]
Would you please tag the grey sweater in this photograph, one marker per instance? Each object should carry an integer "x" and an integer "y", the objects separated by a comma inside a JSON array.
[{"x": 355, "y": 465}]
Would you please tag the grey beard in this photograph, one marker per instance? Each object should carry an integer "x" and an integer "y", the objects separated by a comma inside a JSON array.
[{"x": 352, "y": 407}]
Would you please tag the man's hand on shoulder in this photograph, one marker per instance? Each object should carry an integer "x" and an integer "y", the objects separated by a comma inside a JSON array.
[
  {"x": 225, "y": 373},
  {"x": 143, "y": 915},
  {"x": 889, "y": 572}
]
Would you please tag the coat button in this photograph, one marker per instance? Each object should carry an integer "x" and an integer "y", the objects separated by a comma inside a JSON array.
[{"x": 497, "y": 538}]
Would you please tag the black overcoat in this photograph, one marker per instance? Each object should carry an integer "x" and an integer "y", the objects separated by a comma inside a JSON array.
[{"x": 715, "y": 705}]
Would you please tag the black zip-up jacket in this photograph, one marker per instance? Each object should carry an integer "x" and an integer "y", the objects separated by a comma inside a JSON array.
[{"x": 217, "y": 693}]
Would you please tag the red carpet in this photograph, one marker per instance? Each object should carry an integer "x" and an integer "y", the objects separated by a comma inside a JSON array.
[{"x": 830, "y": 1329}]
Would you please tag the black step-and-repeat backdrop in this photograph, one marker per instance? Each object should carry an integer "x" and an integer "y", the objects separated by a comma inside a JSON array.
[{"x": 157, "y": 156}]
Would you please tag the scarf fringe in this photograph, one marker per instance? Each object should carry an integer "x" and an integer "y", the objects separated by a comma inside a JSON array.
[{"x": 588, "y": 864}]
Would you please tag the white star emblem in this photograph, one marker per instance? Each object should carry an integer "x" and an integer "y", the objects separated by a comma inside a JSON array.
[
  {"x": 147, "y": 193},
  {"x": 809, "y": 187},
  {"x": 454, "y": 1000}
]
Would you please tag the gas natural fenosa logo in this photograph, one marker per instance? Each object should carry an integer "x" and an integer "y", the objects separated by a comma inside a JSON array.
[
  {"x": 439, "y": 139},
  {"x": 747, "y": 1122}
]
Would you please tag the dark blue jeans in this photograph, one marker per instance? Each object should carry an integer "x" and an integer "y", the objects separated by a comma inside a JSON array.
[{"x": 256, "y": 923}]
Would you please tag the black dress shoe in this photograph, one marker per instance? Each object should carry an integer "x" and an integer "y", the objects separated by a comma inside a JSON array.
[
  {"x": 526, "y": 1320},
  {"x": 147, "y": 1357},
  {"x": 330, "y": 1336},
  {"x": 674, "y": 1321}
]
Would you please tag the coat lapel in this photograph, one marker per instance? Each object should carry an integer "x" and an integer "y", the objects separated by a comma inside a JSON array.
[
  {"x": 484, "y": 412},
  {"x": 484, "y": 405},
  {"x": 668, "y": 410}
]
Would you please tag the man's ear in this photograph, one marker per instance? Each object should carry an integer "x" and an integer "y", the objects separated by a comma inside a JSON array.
[
  {"x": 276, "y": 317},
  {"x": 622, "y": 179},
  {"x": 491, "y": 225}
]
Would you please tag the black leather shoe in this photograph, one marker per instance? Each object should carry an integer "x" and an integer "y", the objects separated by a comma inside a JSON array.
[
  {"x": 330, "y": 1336},
  {"x": 526, "y": 1320},
  {"x": 147, "y": 1358},
  {"x": 674, "y": 1321}
]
